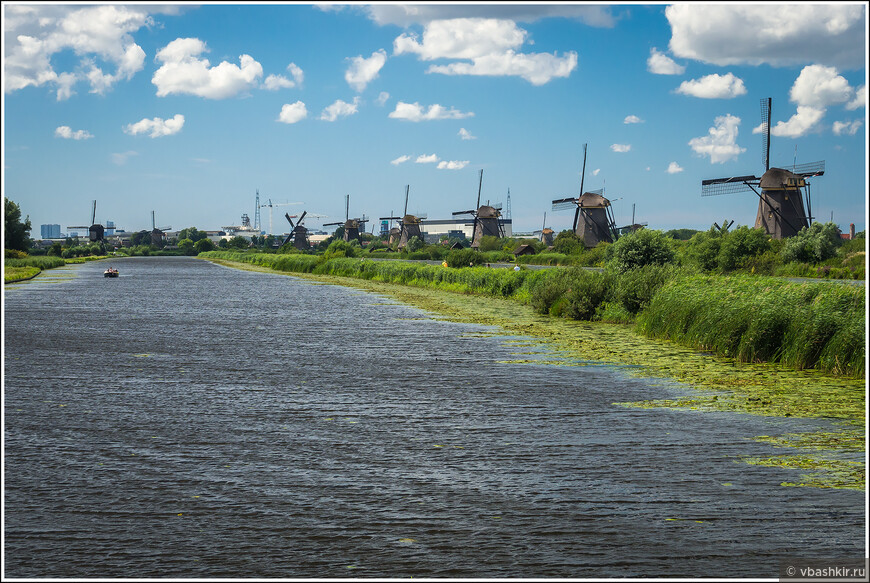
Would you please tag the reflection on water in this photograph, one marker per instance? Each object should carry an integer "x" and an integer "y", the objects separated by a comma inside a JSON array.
[{"x": 189, "y": 420}]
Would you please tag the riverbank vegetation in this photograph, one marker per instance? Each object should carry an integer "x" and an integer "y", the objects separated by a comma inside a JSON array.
[{"x": 751, "y": 318}]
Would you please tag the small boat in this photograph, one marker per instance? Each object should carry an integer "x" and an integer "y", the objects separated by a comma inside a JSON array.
[{"x": 110, "y": 273}]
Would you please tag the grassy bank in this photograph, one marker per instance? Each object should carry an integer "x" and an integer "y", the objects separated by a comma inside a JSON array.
[{"x": 810, "y": 325}]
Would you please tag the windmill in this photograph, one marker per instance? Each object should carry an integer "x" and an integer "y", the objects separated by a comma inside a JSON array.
[
  {"x": 351, "y": 226},
  {"x": 157, "y": 234},
  {"x": 546, "y": 234},
  {"x": 487, "y": 219},
  {"x": 299, "y": 233},
  {"x": 782, "y": 210},
  {"x": 593, "y": 217},
  {"x": 95, "y": 231},
  {"x": 409, "y": 225}
]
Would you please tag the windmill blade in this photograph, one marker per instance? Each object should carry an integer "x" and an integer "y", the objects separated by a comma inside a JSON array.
[
  {"x": 289, "y": 238},
  {"x": 765, "y": 132},
  {"x": 810, "y": 169},
  {"x": 497, "y": 206},
  {"x": 564, "y": 203},
  {"x": 599, "y": 192},
  {"x": 407, "y": 190},
  {"x": 468, "y": 212},
  {"x": 289, "y": 220},
  {"x": 94, "y": 214},
  {"x": 717, "y": 186},
  {"x": 479, "y": 186},
  {"x": 299, "y": 220}
]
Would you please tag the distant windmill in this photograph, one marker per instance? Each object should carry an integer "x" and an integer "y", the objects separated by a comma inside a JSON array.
[
  {"x": 487, "y": 219},
  {"x": 593, "y": 217},
  {"x": 95, "y": 231},
  {"x": 782, "y": 210},
  {"x": 351, "y": 226},
  {"x": 546, "y": 234},
  {"x": 409, "y": 225},
  {"x": 157, "y": 234}
]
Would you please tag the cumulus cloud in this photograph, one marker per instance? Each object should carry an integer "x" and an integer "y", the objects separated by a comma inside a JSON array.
[
  {"x": 805, "y": 120},
  {"x": 632, "y": 119},
  {"x": 183, "y": 72},
  {"x": 674, "y": 168},
  {"x": 400, "y": 160},
  {"x": 416, "y": 112},
  {"x": 67, "y": 133},
  {"x": 720, "y": 143},
  {"x": 713, "y": 87},
  {"x": 362, "y": 71},
  {"x": 452, "y": 165},
  {"x": 847, "y": 127},
  {"x": 157, "y": 127},
  {"x": 427, "y": 159},
  {"x": 774, "y": 34},
  {"x": 491, "y": 47},
  {"x": 99, "y": 36},
  {"x": 293, "y": 112},
  {"x": 275, "y": 82},
  {"x": 466, "y": 135},
  {"x": 659, "y": 63},
  {"x": 820, "y": 86},
  {"x": 408, "y": 14},
  {"x": 340, "y": 109},
  {"x": 620, "y": 147}
]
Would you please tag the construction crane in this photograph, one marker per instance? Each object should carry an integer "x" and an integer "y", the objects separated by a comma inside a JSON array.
[{"x": 270, "y": 204}]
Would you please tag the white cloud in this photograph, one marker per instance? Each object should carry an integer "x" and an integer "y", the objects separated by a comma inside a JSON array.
[
  {"x": 158, "y": 127},
  {"x": 847, "y": 127},
  {"x": 339, "y": 109},
  {"x": 120, "y": 158},
  {"x": 67, "y": 133},
  {"x": 860, "y": 99},
  {"x": 383, "y": 97},
  {"x": 490, "y": 44},
  {"x": 596, "y": 171},
  {"x": 99, "y": 36},
  {"x": 407, "y": 14},
  {"x": 452, "y": 165},
  {"x": 819, "y": 86},
  {"x": 466, "y": 135},
  {"x": 659, "y": 63},
  {"x": 362, "y": 71},
  {"x": 802, "y": 122},
  {"x": 632, "y": 119},
  {"x": 620, "y": 147},
  {"x": 774, "y": 34},
  {"x": 713, "y": 87},
  {"x": 673, "y": 168},
  {"x": 293, "y": 112},
  {"x": 427, "y": 159},
  {"x": 274, "y": 82},
  {"x": 720, "y": 143},
  {"x": 400, "y": 160},
  {"x": 416, "y": 112},
  {"x": 183, "y": 72}
]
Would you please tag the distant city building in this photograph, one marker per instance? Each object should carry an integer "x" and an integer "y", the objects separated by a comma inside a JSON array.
[
  {"x": 110, "y": 228},
  {"x": 50, "y": 231}
]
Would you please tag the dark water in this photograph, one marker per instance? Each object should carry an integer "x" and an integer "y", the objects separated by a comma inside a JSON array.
[{"x": 189, "y": 420}]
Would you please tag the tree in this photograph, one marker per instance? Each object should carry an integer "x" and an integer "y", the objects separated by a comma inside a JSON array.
[
  {"x": 140, "y": 238},
  {"x": 203, "y": 245},
  {"x": 186, "y": 246},
  {"x": 17, "y": 234},
  {"x": 567, "y": 242},
  {"x": 415, "y": 243},
  {"x": 643, "y": 247},
  {"x": 238, "y": 242},
  {"x": 812, "y": 245},
  {"x": 191, "y": 233}
]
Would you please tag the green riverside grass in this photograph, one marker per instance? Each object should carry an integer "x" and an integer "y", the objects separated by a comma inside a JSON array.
[{"x": 720, "y": 383}]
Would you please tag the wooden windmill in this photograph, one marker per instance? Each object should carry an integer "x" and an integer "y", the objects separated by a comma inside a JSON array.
[
  {"x": 593, "y": 217},
  {"x": 351, "y": 226},
  {"x": 157, "y": 233},
  {"x": 298, "y": 233},
  {"x": 487, "y": 219},
  {"x": 784, "y": 205},
  {"x": 409, "y": 225},
  {"x": 546, "y": 233},
  {"x": 95, "y": 231}
]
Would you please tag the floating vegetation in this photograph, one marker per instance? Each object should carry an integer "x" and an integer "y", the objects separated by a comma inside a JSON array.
[{"x": 827, "y": 473}]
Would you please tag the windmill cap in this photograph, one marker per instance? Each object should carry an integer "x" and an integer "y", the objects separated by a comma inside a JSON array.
[
  {"x": 407, "y": 219},
  {"x": 487, "y": 212},
  {"x": 777, "y": 178},
  {"x": 590, "y": 200}
]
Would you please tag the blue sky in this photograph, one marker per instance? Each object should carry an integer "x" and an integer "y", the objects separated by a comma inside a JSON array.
[{"x": 188, "y": 110}]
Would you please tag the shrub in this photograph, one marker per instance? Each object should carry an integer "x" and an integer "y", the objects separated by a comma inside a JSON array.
[
  {"x": 741, "y": 244},
  {"x": 14, "y": 254},
  {"x": 463, "y": 258},
  {"x": 643, "y": 247},
  {"x": 566, "y": 242},
  {"x": 203, "y": 245},
  {"x": 634, "y": 289},
  {"x": 812, "y": 245}
]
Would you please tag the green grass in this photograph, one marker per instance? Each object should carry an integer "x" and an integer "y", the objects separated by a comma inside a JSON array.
[{"x": 11, "y": 274}]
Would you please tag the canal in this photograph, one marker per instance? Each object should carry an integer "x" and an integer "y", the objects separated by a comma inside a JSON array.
[{"x": 189, "y": 420}]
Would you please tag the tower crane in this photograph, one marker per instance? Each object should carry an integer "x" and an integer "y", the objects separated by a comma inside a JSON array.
[{"x": 270, "y": 204}]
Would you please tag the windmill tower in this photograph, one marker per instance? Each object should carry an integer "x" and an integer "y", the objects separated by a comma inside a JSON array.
[
  {"x": 95, "y": 231},
  {"x": 157, "y": 234},
  {"x": 351, "y": 226},
  {"x": 487, "y": 219},
  {"x": 593, "y": 217},
  {"x": 409, "y": 225},
  {"x": 784, "y": 205},
  {"x": 546, "y": 234}
]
